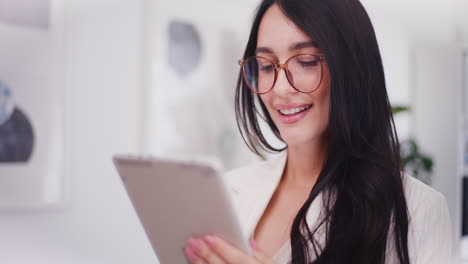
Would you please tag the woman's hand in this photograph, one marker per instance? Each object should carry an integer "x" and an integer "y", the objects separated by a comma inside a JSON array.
[{"x": 213, "y": 250}]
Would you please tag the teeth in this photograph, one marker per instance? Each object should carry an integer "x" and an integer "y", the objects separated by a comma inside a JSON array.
[{"x": 294, "y": 110}]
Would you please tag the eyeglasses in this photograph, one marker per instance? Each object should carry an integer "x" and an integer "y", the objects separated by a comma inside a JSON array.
[{"x": 303, "y": 71}]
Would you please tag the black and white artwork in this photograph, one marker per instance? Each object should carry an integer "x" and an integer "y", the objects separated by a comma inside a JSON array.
[
  {"x": 16, "y": 131},
  {"x": 191, "y": 86},
  {"x": 31, "y": 104},
  {"x": 184, "y": 49}
]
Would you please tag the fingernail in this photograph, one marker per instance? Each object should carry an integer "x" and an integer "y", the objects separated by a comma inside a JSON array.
[
  {"x": 253, "y": 244},
  {"x": 196, "y": 244},
  {"x": 211, "y": 240},
  {"x": 191, "y": 255}
]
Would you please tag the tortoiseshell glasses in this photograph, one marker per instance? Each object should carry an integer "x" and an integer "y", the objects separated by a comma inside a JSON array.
[{"x": 303, "y": 71}]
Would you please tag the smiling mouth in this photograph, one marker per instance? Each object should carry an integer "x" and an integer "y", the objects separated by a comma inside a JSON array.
[{"x": 294, "y": 111}]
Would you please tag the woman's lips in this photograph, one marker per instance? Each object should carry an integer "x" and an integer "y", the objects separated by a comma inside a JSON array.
[{"x": 291, "y": 119}]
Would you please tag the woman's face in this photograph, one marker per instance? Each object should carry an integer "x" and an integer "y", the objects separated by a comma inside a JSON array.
[{"x": 278, "y": 40}]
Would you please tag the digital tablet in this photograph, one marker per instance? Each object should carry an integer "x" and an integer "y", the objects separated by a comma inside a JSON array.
[{"x": 175, "y": 200}]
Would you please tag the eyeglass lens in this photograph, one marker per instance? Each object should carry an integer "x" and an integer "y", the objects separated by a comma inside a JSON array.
[{"x": 304, "y": 73}]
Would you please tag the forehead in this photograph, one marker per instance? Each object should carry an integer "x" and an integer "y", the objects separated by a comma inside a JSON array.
[{"x": 278, "y": 32}]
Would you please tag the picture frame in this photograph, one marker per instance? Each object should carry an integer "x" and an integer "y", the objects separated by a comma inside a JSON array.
[
  {"x": 190, "y": 75},
  {"x": 32, "y": 104}
]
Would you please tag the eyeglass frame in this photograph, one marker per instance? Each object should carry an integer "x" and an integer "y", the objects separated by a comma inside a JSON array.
[{"x": 284, "y": 66}]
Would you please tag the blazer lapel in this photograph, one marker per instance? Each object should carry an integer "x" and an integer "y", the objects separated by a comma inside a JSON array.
[{"x": 260, "y": 193}]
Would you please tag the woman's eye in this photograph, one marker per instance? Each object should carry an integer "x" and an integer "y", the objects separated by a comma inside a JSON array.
[
  {"x": 310, "y": 63},
  {"x": 266, "y": 67}
]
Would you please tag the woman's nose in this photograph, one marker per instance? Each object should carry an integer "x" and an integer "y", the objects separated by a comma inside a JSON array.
[{"x": 282, "y": 86}]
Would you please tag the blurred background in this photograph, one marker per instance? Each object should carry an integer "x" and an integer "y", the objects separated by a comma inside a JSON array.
[{"x": 82, "y": 80}]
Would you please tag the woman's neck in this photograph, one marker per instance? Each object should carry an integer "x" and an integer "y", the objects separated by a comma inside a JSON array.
[{"x": 304, "y": 164}]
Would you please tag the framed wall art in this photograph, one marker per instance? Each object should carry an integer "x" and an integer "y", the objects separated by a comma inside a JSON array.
[
  {"x": 32, "y": 91},
  {"x": 190, "y": 79}
]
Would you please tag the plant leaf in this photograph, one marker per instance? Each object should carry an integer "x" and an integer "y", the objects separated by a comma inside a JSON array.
[
  {"x": 427, "y": 163},
  {"x": 400, "y": 109}
]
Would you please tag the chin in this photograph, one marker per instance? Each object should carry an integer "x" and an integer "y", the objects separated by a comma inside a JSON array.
[{"x": 299, "y": 138}]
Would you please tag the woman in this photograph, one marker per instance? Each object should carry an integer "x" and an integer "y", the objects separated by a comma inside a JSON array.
[{"x": 336, "y": 194}]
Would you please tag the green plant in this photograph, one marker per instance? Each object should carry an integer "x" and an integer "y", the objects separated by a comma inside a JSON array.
[{"x": 418, "y": 164}]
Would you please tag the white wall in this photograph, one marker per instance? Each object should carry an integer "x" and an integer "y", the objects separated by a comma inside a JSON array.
[
  {"x": 96, "y": 224},
  {"x": 437, "y": 106}
]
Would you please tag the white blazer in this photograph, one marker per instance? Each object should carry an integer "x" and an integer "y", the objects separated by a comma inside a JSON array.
[{"x": 429, "y": 238}]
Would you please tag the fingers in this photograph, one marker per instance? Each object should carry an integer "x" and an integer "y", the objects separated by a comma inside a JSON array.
[
  {"x": 192, "y": 256},
  {"x": 214, "y": 250},
  {"x": 200, "y": 253},
  {"x": 227, "y": 252}
]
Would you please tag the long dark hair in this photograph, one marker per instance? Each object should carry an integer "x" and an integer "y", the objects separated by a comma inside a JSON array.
[{"x": 362, "y": 174}]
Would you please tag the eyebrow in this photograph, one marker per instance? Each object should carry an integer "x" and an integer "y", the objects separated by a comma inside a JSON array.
[{"x": 293, "y": 47}]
